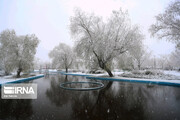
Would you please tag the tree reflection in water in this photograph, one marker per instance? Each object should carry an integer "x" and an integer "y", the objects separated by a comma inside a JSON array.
[
  {"x": 108, "y": 106},
  {"x": 102, "y": 104},
  {"x": 15, "y": 109},
  {"x": 58, "y": 96},
  {"x": 117, "y": 100}
]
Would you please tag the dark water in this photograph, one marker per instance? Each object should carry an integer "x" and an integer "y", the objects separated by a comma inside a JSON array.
[{"x": 118, "y": 100}]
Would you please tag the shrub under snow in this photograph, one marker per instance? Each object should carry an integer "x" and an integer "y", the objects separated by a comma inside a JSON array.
[{"x": 149, "y": 74}]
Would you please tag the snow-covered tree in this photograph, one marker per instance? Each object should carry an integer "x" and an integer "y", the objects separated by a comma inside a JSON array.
[
  {"x": 168, "y": 24},
  {"x": 175, "y": 58},
  {"x": 176, "y": 55},
  {"x": 139, "y": 54},
  {"x": 103, "y": 40},
  {"x": 62, "y": 55},
  {"x": 36, "y": 63},
  {"x": 162, "y": 61},
  {"x": 125, "y": 62},
  {"x": 24, "y": 52},
  {"x": 19, "y": 51},
  {"x": 6, "y": 44}
]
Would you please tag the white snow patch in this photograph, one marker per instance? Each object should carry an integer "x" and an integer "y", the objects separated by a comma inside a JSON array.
[
  {"x": 108, "y": 110},
  {"x": 102, "y": 74},
  {"x": 85, "y": 111},
  {"x": 176, "y": 73}
]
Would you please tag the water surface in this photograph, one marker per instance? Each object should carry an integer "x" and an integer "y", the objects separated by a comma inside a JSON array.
[{"x": 118, "y": 100}]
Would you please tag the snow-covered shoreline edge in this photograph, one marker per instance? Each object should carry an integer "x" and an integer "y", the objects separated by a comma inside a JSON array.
[
  {"x": 125, "y": 79},
  {"x": 21, "y": 79},
  {"x": 101, "y": 77},
  {"x": 135, "y": 80}
]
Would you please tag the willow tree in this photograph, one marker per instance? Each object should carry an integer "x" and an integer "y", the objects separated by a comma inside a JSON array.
[
  {"x": 139, "y": 54},
  {"x": 24, "y": 52},
  {"x": 62, "y": 56},
  {"x": 17, "y": 52},
  {"x": 6, "y": 45},
  {"x": 103, "y": 40}
]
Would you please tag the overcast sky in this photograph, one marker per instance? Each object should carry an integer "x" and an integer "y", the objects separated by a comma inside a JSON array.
[{"x": 49, "y": 19}]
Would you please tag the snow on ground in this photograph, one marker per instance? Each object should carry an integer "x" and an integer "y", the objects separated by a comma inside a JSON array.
[
  {"x": 10, "y": 78},
  {"x": 117, "y": 76},
  {"x": 117, "y": 73},
  {"x": 52, "y": 70},
  {"x": 83, "y": 74},
  {"x": 153, "y": 80},
  {"x": 168, "y": 75},
  {"x": 7, "y": 79},
  {"x": 152, "y": 74},
  {"x": 101, "y": 74},
  {"x": 176, "y": 73}
]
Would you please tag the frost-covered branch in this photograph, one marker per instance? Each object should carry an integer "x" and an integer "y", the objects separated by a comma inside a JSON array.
[
  {"x": 168, "y": 24},
  {"x": 62, "y": 56},
  {"x": 103, "y": 40}
]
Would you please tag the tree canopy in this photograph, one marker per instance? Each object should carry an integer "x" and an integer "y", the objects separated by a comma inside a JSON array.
[
  {"x": 168, "y": 24},
  {"x": 62, "y": 56},
  {"x": 17, "y": 52},
  {"x": 103, "y": 40}
]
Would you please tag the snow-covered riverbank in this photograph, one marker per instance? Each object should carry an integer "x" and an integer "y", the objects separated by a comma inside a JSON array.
[
  {"x": 153, "y": 74},
  {"x": 170, "y": 74},
  {"x": 10, "y": 79},
  {"x": 167, "y": 76}
]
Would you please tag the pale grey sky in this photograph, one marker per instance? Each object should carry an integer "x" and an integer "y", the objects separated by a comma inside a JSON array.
[{"x": 49, "y": 19}]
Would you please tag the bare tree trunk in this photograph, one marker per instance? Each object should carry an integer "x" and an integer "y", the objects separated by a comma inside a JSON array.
[
  {"x": 66, "y": 78},
  {"x": 6, "y": 73},
  {"x": 103, "y": 65},
  {"x": 19, "y": 72},
  {"x": 66, "y": 70},
  {"x": 109, "y": 72},
  {"x": 139, "y": 66},
  {"x": 101, "y": 95}
]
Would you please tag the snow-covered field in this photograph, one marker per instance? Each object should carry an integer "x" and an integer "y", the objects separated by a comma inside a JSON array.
[
  {"x": 176, "y": 73},
  {"x": 172, "y": 74},
  {"x": 153, "y": 74}
]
